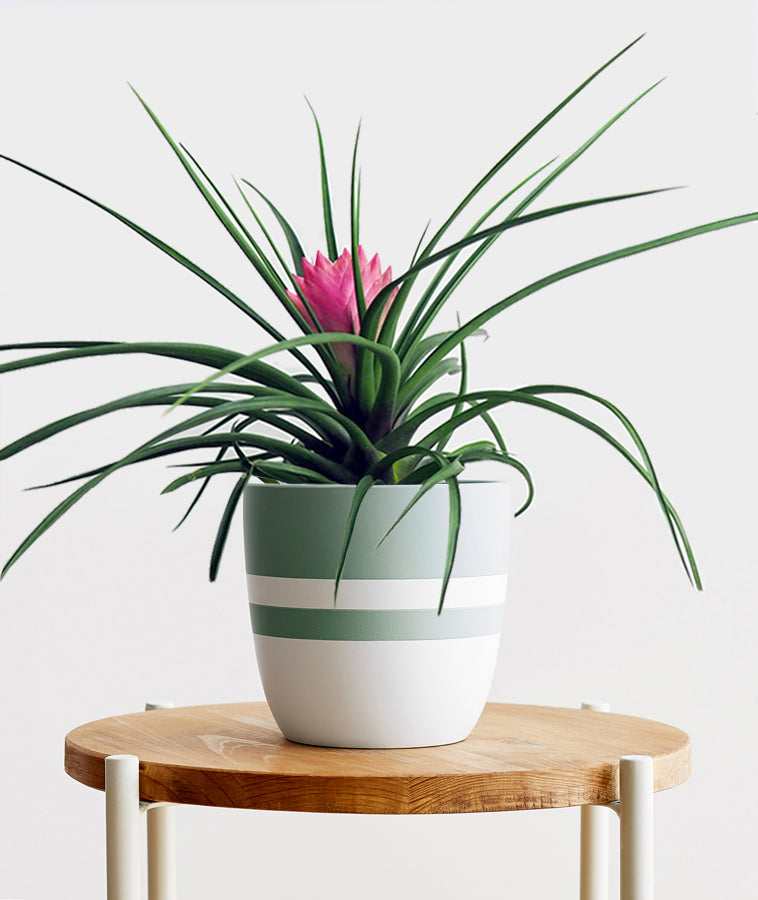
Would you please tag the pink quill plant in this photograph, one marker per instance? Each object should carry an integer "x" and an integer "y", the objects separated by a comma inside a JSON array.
[
  {"x": 365, "y": 406},
  {"x": 329, "y": 288}
]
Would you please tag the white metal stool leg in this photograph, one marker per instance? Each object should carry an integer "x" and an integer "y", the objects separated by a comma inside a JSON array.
[
  {"x": 636, "y": 793},
  {"x": 161, "y": 844},
  {"x": 593, "y": 870},
  {"x": 122, "y": 827},
  {"x": 161, "y": 867},
  {"x": 593, "y": 873}
]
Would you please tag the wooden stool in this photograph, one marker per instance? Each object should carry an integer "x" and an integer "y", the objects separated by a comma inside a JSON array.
[{"x": 518, "y": 757}]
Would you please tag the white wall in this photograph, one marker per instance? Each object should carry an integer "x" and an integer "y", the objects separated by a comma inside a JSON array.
[{"x": 110, "y": 609}]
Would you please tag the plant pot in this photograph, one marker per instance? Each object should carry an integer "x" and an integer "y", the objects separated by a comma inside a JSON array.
[{"x": 380, "y": 668}]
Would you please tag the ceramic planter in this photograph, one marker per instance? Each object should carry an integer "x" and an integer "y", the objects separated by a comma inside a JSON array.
[{"x": 380, "y": 668}]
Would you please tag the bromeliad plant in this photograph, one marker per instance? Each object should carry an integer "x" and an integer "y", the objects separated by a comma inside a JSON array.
[{"x": 359, "y": 411}]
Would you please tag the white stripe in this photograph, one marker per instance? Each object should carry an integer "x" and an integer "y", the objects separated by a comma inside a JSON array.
[{"x": 395, "y": 593}]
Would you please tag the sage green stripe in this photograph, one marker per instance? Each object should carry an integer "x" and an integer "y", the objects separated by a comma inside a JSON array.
[
  {"x": 297, "y": 531},
  {"x": 374, "y": 624}
]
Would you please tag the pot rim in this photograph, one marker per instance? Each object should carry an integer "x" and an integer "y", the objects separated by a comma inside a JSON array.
[{"x": 259, "y": 484}]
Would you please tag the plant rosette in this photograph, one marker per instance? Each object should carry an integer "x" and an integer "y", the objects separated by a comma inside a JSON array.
[{"x": 387, "y": 637}]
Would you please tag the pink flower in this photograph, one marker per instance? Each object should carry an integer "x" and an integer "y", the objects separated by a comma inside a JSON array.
[{"x": 329, "y": 288}]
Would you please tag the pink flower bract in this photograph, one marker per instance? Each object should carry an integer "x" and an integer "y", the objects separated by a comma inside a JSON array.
[{"x": 329, "y": 288}]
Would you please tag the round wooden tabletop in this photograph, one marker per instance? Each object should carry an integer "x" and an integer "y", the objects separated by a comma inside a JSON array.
[{"x": 518, "y": 757}]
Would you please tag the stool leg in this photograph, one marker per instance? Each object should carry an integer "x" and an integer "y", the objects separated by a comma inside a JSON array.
[
  {"x": 161, "y": 843},
  {"x": 122, "y": 827},
  {"x": 161, "y": 869},
  {"x": 593, "y": 873},
  {"x": 636, "y": 793},
  {"x": 593, "y": 869}
]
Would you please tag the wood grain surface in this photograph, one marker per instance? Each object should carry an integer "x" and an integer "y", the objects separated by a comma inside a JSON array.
[{"x": 518, "y": 757}]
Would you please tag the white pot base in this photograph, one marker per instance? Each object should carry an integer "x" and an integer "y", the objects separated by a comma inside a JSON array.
[{"x": 376, "y": 694}]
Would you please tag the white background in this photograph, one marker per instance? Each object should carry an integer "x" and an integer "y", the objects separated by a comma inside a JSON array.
[{"x": 109, "y": 609}]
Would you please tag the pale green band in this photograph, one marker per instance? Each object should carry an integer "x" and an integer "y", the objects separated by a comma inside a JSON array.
[
  {"x": 375, "y": 624},
  {"x": 297, "y": 531}
]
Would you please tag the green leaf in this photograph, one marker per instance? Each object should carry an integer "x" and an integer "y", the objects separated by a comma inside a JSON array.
[
  {"x": 293, "y": 242},
  {"x": 287, "y": 473},
  {"x": 275, "y": 282},
  {"x": 259, "y": 222},
  {"x": 230, "y": 222},
  {"x": 637, "y": 440},
  {"x": 490, "y": 174},
  {"x": 482, "y": 318},
  {"x": 570, "y": 160},
  {"x": 326, "y": 200},
  {"x": 468, "y": 453},
  {"x": 516, "y": 213},
  {"x": 420, "y": 242},
  {"x": 203, "y": 354},
  {"x": 337, "y": 388},
  {"x": 201, "y": 490},
  {"x": 385, "y": 467},
  {"x": 234, "y": 226},
  {"x": 334, "y": 450},
  {"x": 165, "y": 248},
  {"x": 162, "y": 396},
  {"x": 446, "y": 468},
  {"x": 323, "y": 417},
  {"x": 461, "y": 391},
  {"x": 397, "y": 438},
  {"x": 471, "y": 454},
  {"x": 263, "y": 408},
  {"x": 361, "y": 489},
  {"x": 224, "y": 525},
  {"x": 236, "y": 229},
  {"x": 494, "y": 430},
  {"x": 420, "y": 306},
  {"x": 518, "y": 146},
  {"x": 49, "y": 345},
  {"x": 305, "y": 325},
  {"x": 443, "y": 369},
  {"x": 366, "y": 389},
  {"x": 421, "y": 408},
  {"x": 485, "y": 237},
  {"x": 249, "y": 245},
  {"x": 206, "y": 473},
  {"x": 387, "y": 393},
  {"x": 53, "y": 517},
  {"x": 289, "y": 452},
  {"x": 489, "y": 399},
  {"x": 454, "y": 527},
  {"x": 425, "y": 346},
  {"x": 355, "y": 208}
]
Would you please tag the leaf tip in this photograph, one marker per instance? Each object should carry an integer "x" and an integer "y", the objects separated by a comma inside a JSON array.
[{"x": 136, "y": 93}]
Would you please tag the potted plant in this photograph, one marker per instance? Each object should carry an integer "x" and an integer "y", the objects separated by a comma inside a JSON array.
[{"x": 376, "y": 571}]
